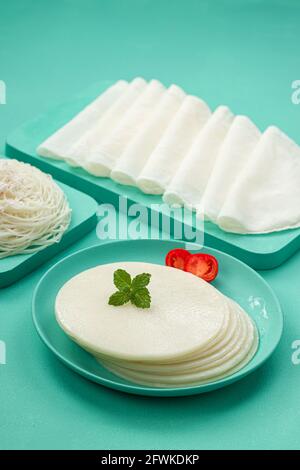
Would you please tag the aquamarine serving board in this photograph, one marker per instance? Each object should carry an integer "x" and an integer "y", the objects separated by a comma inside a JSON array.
[
  {"x": 259, "y": 251},
  {"x": 84, "y": 219}
]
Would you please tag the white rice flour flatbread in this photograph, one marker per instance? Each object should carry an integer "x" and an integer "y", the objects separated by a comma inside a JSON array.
[
  {"x": 191, "y": 334},
  {"x": 59, "y": 144},
  {"x": 266, "y": 196}
]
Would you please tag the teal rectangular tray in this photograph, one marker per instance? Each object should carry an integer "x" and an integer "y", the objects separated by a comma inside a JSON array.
[
  {"x": 84, "y": 219},
  {"x": 259, "y": 251}
]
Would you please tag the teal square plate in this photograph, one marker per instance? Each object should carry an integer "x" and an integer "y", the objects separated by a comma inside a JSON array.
[
  {"x": 84, "y": 219},
  {"x": 259, "y": 251},
  {"x": 235, "y": 279}
]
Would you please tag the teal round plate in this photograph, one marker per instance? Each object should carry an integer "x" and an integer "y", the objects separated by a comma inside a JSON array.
[{"x": 235, "y": 280}]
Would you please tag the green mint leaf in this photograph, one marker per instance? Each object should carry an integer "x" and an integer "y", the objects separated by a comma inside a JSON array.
[
  {"x": 141, "y": 298},
  {"x": 119, "y": 298},
  {"x": 140, "y": 281},
  {"x": 122, "y": 279},
  {"x": 131, "y": 290}
]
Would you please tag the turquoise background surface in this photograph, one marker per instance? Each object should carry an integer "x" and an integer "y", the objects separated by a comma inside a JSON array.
[{"x": 244, "y": 54}]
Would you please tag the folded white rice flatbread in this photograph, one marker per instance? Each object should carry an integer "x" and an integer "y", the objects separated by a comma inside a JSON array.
[
  {"x": 137, "y": 153},
  {"x": 104, "y": 156},
  {"x": 105, "y": 124},
  {"x": 266, "y": 196},
  {"x": 173, "y": 146},
  {"x": 189, "y": 183},
  {"x": 235, "y": 152},
  {"x": 58, "y": 144}
]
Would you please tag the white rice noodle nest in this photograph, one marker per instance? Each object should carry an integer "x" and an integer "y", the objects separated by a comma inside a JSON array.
[{"x": 34, "y": 212}]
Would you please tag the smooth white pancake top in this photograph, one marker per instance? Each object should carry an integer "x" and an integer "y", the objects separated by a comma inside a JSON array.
[{"x": 186, "y": 313}]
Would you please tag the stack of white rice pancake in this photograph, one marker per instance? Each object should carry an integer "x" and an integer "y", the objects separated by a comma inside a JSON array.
[
  {"x": 191, "y": 334},
  {"x": 167, "y": 142}
]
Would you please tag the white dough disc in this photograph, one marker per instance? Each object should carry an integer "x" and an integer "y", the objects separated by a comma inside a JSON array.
[
  {"x": 185, "y": 316},
  {"x": 227, "y": 331},
  {"x": 243, "y": 354}
]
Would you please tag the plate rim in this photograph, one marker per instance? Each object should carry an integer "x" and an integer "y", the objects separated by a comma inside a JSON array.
[{"x": 137, "y": 389}]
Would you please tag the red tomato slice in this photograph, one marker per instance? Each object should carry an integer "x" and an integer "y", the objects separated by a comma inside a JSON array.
[
  {"x": 203, "y": 265},
  {"x": 177, "y": 258}
]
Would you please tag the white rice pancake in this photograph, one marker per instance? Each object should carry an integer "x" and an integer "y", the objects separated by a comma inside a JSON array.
[
  {"x": 100, "y": 128},
  {"x": 104, "y": 156},
  {"x": 59, "y": 144},
  {"x": 204, "y": 360},
  {"x": 220, "y": 343},
  {"x": 266, "y": 196},
  {"x": 139, "y": 149},
  {"x": 185, "y": 316},
  {"x": 177, "y": 140},
  {"x": 235, "y": 152},
  {"x": 189, "y": 183},
  {"x": 158, "y": 382},
  {"x": 174, "y": 367},
  {"x": 192, "y": 377}
]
